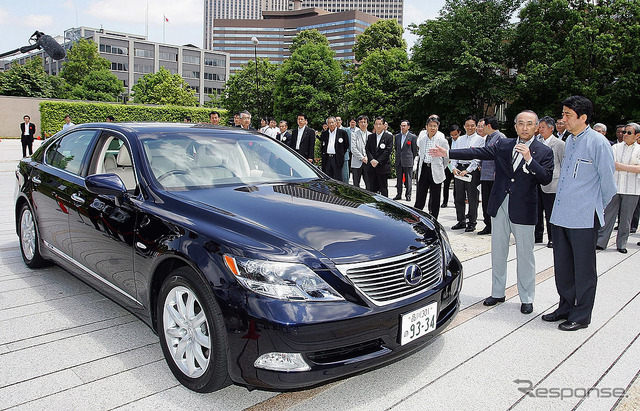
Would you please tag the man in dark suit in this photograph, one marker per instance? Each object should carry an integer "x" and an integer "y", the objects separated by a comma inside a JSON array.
[
  {"x": 303, "y": 139},
  {"x": 27, "y": 131},
  {"x": 406, "y": 152},
  {"x": 522, "y": 165},
  {"x": 335, "y": 143},
  {"x": 379, "y": 147}
]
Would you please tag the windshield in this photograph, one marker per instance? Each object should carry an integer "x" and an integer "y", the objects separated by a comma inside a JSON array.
[{"x": 192, "y": 161}]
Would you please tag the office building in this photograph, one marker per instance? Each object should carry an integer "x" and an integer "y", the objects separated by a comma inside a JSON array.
[
  {"x": 132, "y": 56},
  {"x": 217, "y": 10},
  {"x": 276, "y": 30}
]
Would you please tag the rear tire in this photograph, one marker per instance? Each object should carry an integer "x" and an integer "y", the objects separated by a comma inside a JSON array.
[
  {"x": 192, "y": 332},
  {"x": 29, "y": 240}
]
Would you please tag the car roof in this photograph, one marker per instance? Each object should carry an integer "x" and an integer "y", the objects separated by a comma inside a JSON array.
[{"x": 143, "y": 127}]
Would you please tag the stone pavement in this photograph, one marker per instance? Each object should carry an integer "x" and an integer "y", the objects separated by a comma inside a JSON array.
[{"x": 65, "y": 346}]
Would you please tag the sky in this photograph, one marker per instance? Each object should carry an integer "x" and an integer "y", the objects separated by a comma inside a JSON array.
[{"x": 20, "y": 19}]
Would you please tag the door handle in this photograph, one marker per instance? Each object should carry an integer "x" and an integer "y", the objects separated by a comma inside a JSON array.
[
  {"x": 76, "y": 198},
  {"x": 36, "y": 180}
]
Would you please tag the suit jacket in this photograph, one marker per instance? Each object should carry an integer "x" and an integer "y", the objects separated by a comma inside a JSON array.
[
  {"x": 358, "y": 150},
  {"x": 522, "y": 184},
  {"x": 284, "y": 137},
  {"x": 307, "y": 142},
  {"x": 438, "y": 164},
  {"x": 405, "y": 153},
  {"x": 557, "y": 146},
  {"x": 32, "y": 132},
  {"x": 341, "y": 145},
  {"x": 380, "y": 152}
]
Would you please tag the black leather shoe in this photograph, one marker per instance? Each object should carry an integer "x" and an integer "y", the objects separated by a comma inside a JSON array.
[
  {"x": 492, "y": 301},
  {"x": 571, "y": 326},
  {"x": 484, "y": 231},
  {"x": 550, "y": 244},
  {"x": 599, "y": 248},
  {"x": 633, "y": 230},
  {"x": 615, "y": 228},
  {"x": 526, "y": 308},
  {"x": 622, "y": 250},
  {"x": 397, "y": 197},
  {"x": 554, "y": 316},
  {"x": 459, "y": 226},
  {"x": 408, "y": 198},
  {"x": 444, "y": 205},
  {"x": 470, "y": 228},
  {"x": 538, "y": 241}
]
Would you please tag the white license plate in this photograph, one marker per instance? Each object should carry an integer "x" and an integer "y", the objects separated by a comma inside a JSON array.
[{"x": 417, "y": 323}]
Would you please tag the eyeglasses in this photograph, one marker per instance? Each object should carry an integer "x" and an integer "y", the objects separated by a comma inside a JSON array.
[{"x": 628, "y": 133}]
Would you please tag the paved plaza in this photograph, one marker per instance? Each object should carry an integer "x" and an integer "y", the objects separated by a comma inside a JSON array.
[{"x": 64, "y": 346}]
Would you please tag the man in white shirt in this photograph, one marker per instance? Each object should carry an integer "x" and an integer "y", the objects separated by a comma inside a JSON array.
[
  {"x": 335, "y": 142},
  {"x": 627, "y": 161},
  {"x": 467, "y": 178},
  {"x": 359, "y": 153},
  {"x": 67, "y": 122}
]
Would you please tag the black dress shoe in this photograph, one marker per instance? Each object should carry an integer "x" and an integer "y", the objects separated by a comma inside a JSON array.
[
  {"x": 397, "y": 197},
  {"x": 492, "y": 301},
  {"x": 408, "y": 198},
  {"x": 571, "y": 326},
  {"x": 638, "y": 243},
  {"x": 599, "y": 248},
  {"x": 554, "y": 316},
  {"x": 470, "y": 228},
  {"x": 633, "y": 230},
  {"x": 459, "y": 226},
  {"x": 444, "y": 205},
  {"x": 550, "y": 244},
  {"x": 538, "y": 240},
  {"x": 526, "y": 308},
  {"x": 484, "y": 231},
  {"x": 622, "y": 250},
  {"x": 615, "y": 228}
]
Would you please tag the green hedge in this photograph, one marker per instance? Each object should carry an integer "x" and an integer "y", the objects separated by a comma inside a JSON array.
[{"x": 52, "y": 113}]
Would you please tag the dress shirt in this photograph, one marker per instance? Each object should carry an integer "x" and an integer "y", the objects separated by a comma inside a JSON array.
[
  {"x": 586, "y": 183},
  {"x": 517, "y": 156},
  {"x": 488, "y": 167},
  {"x": 26, "y": 129},
  {"x": 627, "y": 181},
  {"x": 67, "y": 125},
  {"x": 271, "y": 132},
  {"x": 378, "y": 137},
  {"x": 468, "y": 141},
  {"x": 300, "y": 134},
  {"x": 425, "y": 144},
  {"x": 331, "y": 144}
]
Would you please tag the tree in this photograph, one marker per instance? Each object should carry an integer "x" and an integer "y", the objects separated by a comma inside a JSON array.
[
  {"x": 562, "y": 48},
  {"x": 306, "y": 37},
  {"x": 163, "y": 88},
  {"x": 27, "y": 80},
  {"x": 240, "y": 90},
  {"x": 101, "y": 85},
  {"x": 83, "y": 58},
  {"x": 459, "y": 60},
  {"x": 310, "y": 81},
  {"x": 381, "y": 35}
]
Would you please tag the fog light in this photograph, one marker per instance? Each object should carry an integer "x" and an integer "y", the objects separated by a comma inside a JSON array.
[{"x": 282, "y": 361}]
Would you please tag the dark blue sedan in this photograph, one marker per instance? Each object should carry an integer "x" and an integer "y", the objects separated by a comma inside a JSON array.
[{"x": 251, "y": 265}]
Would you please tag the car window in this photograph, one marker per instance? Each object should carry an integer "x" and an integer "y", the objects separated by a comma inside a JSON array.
[
  {"x": 187, "y": 161},
  {"x": 112, "y": 156},
  {"x": 68, "y": 152}
]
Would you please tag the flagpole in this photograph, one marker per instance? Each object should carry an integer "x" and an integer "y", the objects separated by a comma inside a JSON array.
[
  {"x": 146, "y": 22},
  {"x": 164, "y": 23}
]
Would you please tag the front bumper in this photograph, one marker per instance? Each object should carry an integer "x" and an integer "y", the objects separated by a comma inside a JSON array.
[{"x": 339, "y": 339}]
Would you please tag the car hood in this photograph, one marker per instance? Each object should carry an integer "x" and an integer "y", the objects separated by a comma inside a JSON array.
[{"x": 344, "y": 223}]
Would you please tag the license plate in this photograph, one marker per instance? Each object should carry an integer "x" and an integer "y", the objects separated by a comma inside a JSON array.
[{"x": 417, "y": 323}]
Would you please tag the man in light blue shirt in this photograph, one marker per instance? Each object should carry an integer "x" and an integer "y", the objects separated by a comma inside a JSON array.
[{"x": 586, "y": 185}]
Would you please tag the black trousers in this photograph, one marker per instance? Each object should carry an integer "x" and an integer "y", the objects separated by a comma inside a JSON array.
[
  {"x": 26, "y": 143},
  {"x": 426, "y": 184},
  {"x": 545, "y": 206},
  {"x": 574, "y": 258},
  {"x": 358, "y": 174},
  {"x": 635, "y": 218},
  {"x": 332, "y": 166},
  {"x": 446, "y": 185},
  {"x": 486, "y": 187},
  {"x": 378, "y": 182},
  {"x": 468, "y": 191},
  {"x": 408, "y": 173}
]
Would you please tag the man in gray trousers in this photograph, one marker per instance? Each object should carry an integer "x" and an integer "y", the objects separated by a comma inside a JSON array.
[
  {"x": 522, "y": 165},
  {"x": 406, "y": 150}
]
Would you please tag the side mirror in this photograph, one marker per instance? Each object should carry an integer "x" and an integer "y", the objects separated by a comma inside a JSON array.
[{"x": 106, "y": 184}]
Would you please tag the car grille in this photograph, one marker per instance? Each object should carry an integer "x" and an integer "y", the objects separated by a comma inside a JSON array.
[{"x": 383, "y": 281}]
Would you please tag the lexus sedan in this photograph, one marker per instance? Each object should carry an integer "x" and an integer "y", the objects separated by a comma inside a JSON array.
[{"x": 251, "y": 265}]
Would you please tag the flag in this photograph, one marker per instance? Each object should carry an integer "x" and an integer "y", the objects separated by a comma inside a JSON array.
[{"x": 165, "y": 18}]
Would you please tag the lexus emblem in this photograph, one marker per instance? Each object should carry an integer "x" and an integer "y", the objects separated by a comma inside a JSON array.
[{"x": 412, "y": 275}]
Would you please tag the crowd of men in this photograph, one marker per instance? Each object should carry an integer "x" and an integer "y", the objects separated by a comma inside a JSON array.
[{"x": 523, "y": 183}]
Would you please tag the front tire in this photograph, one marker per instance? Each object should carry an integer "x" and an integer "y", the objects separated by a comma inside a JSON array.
[
  {"x": 192, "y": 332},
  {"x": 29, "y": 240}
]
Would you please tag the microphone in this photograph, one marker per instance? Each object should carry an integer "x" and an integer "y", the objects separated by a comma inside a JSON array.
[{"x": 47, "y": 43}]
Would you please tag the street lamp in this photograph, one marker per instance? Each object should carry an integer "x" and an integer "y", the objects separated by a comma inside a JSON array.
[{"x": 255, "y": 42}]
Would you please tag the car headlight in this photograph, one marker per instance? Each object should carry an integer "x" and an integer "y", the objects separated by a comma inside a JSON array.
[{"x": 284, "y": 281}]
